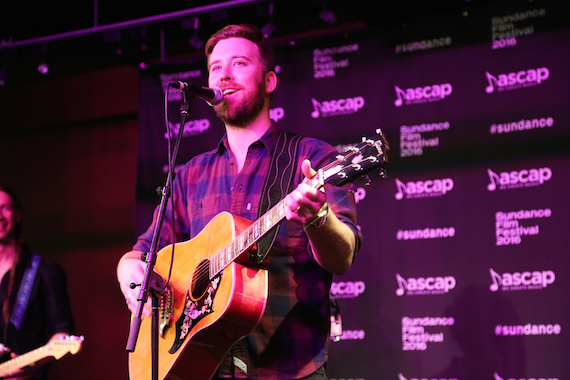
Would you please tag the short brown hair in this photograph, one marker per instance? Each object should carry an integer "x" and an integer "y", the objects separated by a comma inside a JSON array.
[{"x": 249, "y": 32}]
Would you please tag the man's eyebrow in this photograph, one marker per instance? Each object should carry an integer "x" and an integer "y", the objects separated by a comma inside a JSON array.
[
  {"x": 241, "y": 56},
  {"x": 234, "y": 57},
  {"x": 211, "y": 63}
]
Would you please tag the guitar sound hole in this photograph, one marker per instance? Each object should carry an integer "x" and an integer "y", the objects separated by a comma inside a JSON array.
[{"x": 201, "y": 279}]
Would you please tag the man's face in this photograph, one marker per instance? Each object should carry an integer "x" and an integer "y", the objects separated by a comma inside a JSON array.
[
  {"x": 235, "y": 67},
  {"x": 8, "y": 218}
]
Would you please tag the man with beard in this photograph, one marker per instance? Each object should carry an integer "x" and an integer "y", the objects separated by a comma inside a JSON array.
[
  {"x": 46, "y": 314},
  {"x": 318, "y": 239}
]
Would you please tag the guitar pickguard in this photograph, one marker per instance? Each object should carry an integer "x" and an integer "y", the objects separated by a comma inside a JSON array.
[{"x": 194, "y": 311}]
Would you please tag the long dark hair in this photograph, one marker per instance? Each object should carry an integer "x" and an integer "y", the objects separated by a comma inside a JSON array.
[{"x": 18, "y": 237}]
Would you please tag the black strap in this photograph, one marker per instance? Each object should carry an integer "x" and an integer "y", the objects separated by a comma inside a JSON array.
[{"x": 278, "y": 184}]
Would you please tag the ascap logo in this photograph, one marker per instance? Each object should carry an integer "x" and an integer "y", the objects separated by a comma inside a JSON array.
[
  {"x": 348, "y": 289},
  {"x": 428, "y": 285},
  {"x": 422, "y": 94},
  {"x": 276, "y": 114},
  {"x": 521, "y": 280},
  {"x": 520, "y": 178},
  {"x": 336, "y": 107},
  {"x": 520, "y": 79},
  {"x": 421, "y": 189},
  {"x": 191, "y": 128},
  {"x": 497, "y": 377},
  {"x": 359, "y": 194}
]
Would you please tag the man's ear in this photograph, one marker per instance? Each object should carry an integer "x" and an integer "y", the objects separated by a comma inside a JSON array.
[{"x": 270, "y": 82}]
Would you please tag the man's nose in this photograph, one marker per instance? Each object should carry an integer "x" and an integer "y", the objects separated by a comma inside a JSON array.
[{"x": 226, "y": 73}]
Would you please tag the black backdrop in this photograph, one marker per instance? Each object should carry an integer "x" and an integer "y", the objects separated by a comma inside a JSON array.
[{"x": 464, "y": 271}]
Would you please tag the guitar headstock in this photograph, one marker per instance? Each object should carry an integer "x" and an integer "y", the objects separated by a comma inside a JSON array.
[
  {"x": 71, "y": 344},
  {"x": 359, "y": 161}
]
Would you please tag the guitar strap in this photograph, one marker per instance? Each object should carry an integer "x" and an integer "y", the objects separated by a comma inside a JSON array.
[
  {"x": 277, "y": 185},
  {"x": 24, "y": 292}
]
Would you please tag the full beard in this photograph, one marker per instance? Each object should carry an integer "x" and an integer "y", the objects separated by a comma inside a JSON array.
[{"x": 243, "y": 113}]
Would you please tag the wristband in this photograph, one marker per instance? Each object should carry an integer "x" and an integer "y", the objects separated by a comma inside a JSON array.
[{"x": 321, "y": 218}]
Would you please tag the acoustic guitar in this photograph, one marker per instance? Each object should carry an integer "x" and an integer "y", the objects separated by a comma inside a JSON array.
[{"x": 216, "y": 293}]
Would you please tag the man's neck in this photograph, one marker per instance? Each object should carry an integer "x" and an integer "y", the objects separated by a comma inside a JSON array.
[{"x": 240, "y": 138}]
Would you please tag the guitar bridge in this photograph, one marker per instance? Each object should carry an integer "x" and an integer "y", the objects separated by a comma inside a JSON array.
[{"x": 166, "y": 310}]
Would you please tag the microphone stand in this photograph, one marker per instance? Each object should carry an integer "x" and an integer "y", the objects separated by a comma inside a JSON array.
[{"x": 152, "y": 281}]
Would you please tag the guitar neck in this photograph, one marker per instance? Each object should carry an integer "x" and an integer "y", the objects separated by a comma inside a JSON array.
[
  {"x": 23, "y": 360},
  {"x": 258, "y": 229},
  {"x": 247, "y": 238},
  {"x": 346, "y": 167}
]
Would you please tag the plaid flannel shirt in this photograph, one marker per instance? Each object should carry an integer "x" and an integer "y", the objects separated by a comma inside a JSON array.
[{"x": 291, "y": 340}]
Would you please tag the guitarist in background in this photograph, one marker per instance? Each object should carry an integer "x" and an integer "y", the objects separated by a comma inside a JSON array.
[
  {"x": 318, "y": 239},
  {"x": 46, "y": 315}
]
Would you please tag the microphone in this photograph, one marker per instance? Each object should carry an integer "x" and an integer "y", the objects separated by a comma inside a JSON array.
[{"x": 212, "y": 95}]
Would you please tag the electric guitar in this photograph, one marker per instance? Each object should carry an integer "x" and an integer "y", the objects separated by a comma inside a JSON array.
[
  {"x": 216, "y": 294},
  {"x": 55, "y": 349}
]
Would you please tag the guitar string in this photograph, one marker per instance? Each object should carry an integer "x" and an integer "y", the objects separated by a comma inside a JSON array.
[
  {"x": 199, "y": 274},
  {"x": 203, "y": 269}
]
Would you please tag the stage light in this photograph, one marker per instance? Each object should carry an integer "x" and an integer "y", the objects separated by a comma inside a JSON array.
[
  {"x": 43, "y": 67},
  {"x": 327, "y": 15},
  {"x": 194, "y": 41},
  {"x": 4, "y": 74},
  {"x": 269, "y": 28},
  {"x": 139, "y": 36},
  {"x": 114, "y": 39}
]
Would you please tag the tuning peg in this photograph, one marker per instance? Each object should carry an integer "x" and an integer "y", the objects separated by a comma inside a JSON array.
[
  {"x": 352, "y": 188},
  {"x": 382, "y": 173}
]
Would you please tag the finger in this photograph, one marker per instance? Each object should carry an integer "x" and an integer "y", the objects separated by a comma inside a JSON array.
[
  {"x": 307, "y": 170},
  {"x": 303, "y": 203},
  {"x": 292, "y": 208},
  {"x": 308, "y": 194},
  {"x": 133, "y": 303}
]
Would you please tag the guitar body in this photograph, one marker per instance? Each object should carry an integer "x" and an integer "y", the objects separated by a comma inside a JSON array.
[
  {"x": 239, "y": 297},
  {"x": 218, "y": 296}
]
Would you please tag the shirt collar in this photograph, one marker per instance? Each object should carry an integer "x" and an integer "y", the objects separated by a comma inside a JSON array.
[{"x": 269, "y": 140}]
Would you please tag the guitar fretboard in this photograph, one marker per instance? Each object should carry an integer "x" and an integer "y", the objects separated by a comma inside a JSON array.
[
  {"x": 344, "y": 167},
  {"x": 247, "y": 238}
]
